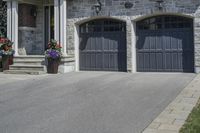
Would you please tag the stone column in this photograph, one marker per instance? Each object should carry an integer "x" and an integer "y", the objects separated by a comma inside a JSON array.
[
  {"x": 60, "y": 13},
  {"x": 57, "y": 20},
  {"x": 12, "y": 23},
  {"x": 9, "y": 19},
  {"x": 197, "y": 43},
  {"x": 63, "y": 25}
]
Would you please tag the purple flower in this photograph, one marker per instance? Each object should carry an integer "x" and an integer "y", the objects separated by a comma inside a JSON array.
[{"x": 54, "y": 54}]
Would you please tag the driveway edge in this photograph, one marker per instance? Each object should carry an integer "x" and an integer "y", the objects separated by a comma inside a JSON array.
[{"x": 176, "y": 113}]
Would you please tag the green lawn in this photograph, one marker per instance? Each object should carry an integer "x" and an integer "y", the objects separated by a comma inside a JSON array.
[{"x": 192, "y": 124}]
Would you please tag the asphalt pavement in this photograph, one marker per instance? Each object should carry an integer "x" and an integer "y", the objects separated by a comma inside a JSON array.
[{"x": 86, "y": 102}]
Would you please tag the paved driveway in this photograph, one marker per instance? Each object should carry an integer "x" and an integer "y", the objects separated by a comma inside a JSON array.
[{"x": 87, "y": 102}]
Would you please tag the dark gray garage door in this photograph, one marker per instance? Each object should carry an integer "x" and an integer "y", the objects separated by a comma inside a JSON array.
[
  {"x": 165, "y": 44},
  {"x": 103, "y": 45}
]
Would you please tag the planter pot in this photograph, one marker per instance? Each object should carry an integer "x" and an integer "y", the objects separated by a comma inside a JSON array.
[
  {"x": 1, "y": 65},
  {"x": 52, "y": 66},
  {"x": 11, "y": 60},
  {"x": 5, "y": 62}
]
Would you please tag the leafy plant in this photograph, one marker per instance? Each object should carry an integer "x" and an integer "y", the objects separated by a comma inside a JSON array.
[{"x": 6, "y": 46}]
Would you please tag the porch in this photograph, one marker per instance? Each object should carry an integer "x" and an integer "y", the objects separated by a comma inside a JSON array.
[
  {"x": 30, "y": 26},
  {"x": 32, "y": 23}
]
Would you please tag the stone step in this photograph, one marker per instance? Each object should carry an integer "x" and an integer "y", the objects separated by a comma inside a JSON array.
[
  {"x": 29, "y": 72},
  {"x": 39, "y": 58},
  {"x": 64, "y": 59},
  {"x": 35, "y": 64},
  {"x": 27, "y": 67},
  {"x": 29, "y": 58},
  {"x": 29, "y": 62}
]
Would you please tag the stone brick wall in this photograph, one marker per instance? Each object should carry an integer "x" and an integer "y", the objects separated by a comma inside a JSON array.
[
  {"x": 81, "y": 10},
  {"x": 197, "y": 39}
]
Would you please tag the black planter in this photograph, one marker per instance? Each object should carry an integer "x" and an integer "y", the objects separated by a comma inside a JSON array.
[
  {"x": 1, "y": 65},
  {"x": 11, "y": 60},
  {"x": 52, "y": 66},
  {"x": 6, "y": 62}
]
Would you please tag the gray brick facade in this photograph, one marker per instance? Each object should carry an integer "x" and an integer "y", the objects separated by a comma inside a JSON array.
[{"x": 80, "y": 11}]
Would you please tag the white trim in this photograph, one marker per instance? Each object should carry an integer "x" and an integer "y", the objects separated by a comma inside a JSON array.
[
  {"x": 76, "y": 43},
  {"x": 56, "y": 20},
  {"x": 133, "y": 47},
  {"x": 63, "y": 26},
  {"x": 9, "y": 20},
  {"x": 15, "y": 26}
]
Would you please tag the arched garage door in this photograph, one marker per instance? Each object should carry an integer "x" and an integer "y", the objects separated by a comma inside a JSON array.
[
  {"x": 103, "y": 45},
  {"x": 165, "y": 44}
]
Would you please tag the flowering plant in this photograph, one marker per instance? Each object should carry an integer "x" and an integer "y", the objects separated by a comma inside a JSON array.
[
  {"x": 6, "y": 46},
  {"x": 54, "y": 50}
]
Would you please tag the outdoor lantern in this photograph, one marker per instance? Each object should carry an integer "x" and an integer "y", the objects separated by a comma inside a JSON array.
[
  {"x": 159, "y": 4},
  {"x": 98, "y": 7},
  {"x": 128, "y": 5}
]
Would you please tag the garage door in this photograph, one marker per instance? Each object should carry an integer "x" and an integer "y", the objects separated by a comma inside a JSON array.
[
  {"x": 165, "y": 44},
  {"x": 103, "y": 45}
]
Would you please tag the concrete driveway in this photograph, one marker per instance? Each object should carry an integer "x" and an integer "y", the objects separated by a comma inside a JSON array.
[{"x": 87, "y": 102}]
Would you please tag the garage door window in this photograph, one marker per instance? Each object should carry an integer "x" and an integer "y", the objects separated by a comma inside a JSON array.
[{"x": 164, "y": 22}]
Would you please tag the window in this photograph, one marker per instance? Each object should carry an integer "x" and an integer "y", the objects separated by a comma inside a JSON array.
[{"x": 164, "y": 22}]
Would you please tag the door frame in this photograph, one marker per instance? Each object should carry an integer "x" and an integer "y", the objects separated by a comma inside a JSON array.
[{"x": 49, "y": 24}]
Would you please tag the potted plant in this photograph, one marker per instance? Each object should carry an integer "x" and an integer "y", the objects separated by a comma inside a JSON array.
[
  {"x": 53, "y": 55},
  {"x": 7, "y": 52}
]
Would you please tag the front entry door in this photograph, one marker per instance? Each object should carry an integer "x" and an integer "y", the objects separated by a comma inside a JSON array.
[{"x": 49, "y": 24}]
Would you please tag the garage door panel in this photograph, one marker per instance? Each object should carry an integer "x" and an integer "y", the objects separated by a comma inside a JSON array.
[
  {"x": 88, "y": 59},
  {"x": 187, "y": 41},
  {"x": 159, "y": 43},
  {"x": 152, "y": 42},
  {"x": 99, "y": 61},
  {"x": 153, "y": 63},
  {"x": 93, "y": 60},
  {"x": 146, "y": 61},
  {"x": 159, "y": 60},
  {"x": 175, "y": 64},
  {"x": 140, "y": 60},
  {"x": 167, "y": 48},
  {"x": 188, "y": 62}
]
